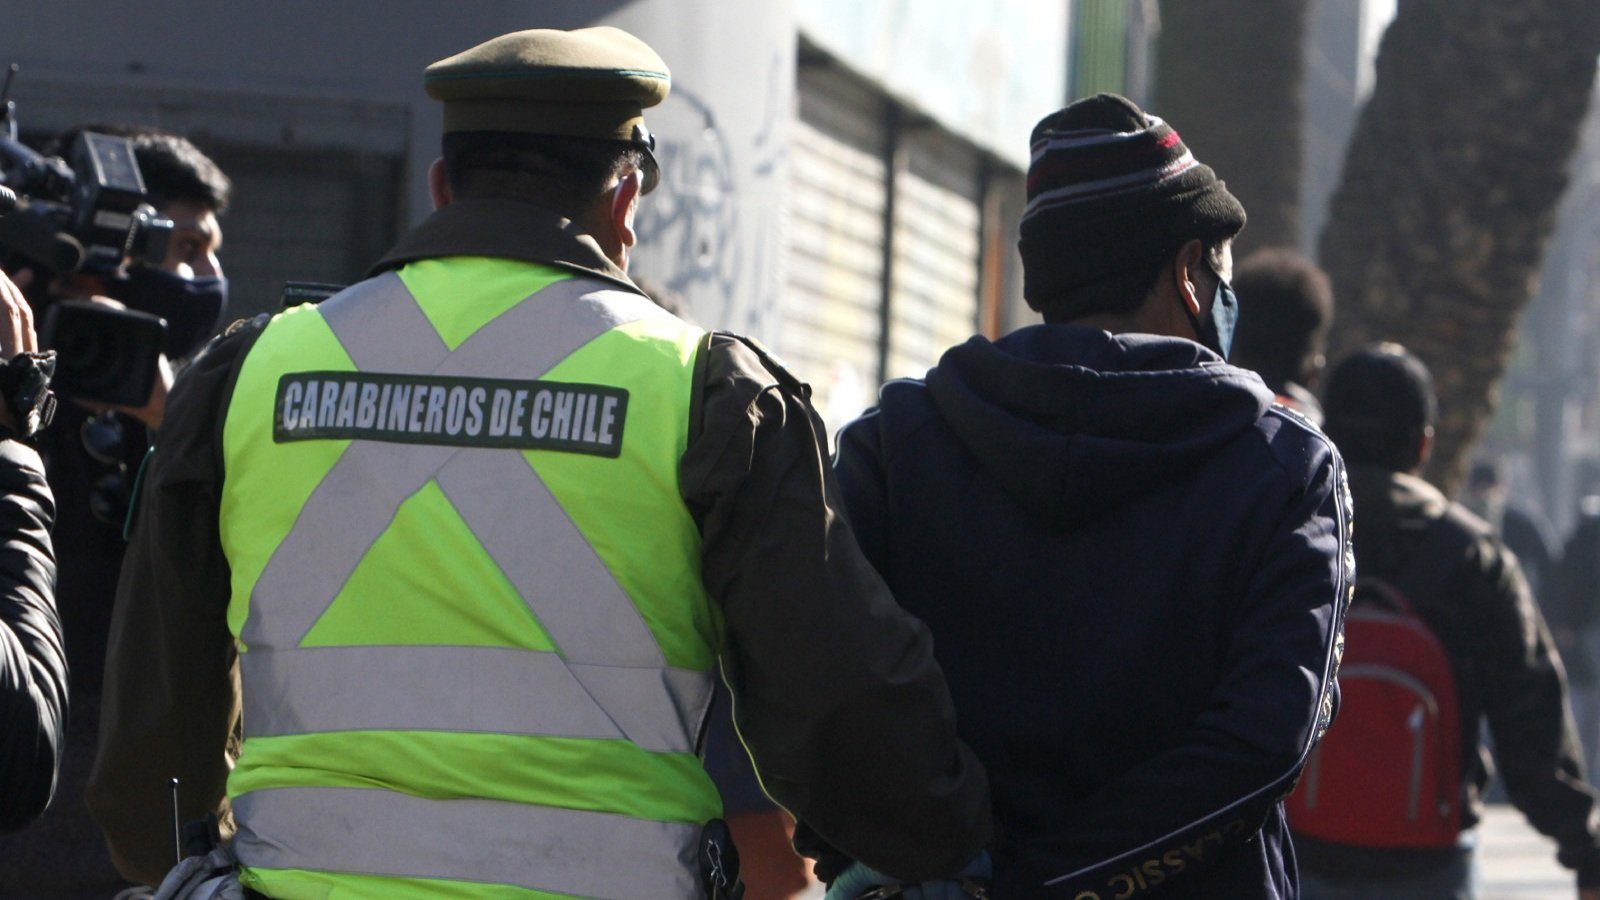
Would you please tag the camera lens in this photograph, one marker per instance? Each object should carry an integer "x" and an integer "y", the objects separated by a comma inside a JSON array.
[
  {"x": 103, "y": 354},
  {"x": 102, "y": 438}
]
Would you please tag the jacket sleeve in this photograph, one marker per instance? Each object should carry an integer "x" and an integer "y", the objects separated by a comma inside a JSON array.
[
  {"x": 1525, "y": 700},
  {"x": 33, "y": 662},
  {"x": 170, "y": 707},
  {"x": 836, "y": 692}
]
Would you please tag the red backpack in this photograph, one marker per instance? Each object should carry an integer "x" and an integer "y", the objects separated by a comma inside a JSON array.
[{"x": 1388, "y": 772}]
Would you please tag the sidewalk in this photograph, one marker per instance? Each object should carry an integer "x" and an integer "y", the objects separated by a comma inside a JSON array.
[{"x": 1518, "y": 862}]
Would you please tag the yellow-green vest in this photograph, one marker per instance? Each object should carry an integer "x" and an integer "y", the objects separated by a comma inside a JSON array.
[{"x": 476, "y": 652}]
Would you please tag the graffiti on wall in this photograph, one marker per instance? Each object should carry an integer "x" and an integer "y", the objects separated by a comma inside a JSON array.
[{"x": 711, "y": 225}]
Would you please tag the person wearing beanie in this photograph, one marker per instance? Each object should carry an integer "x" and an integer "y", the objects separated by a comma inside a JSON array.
[
  {"x": 1469, "y": 591},
  {"x": 429, "y": 583},
  {"x": 1133, "y": 563}
]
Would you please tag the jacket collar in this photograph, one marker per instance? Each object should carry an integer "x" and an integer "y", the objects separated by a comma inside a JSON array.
[
  {"x": 507, "y": 229},
  {"x": 1388, "y": 494}
]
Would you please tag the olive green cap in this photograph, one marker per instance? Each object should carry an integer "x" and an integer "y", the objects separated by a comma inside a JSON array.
[{"x": 587, "y": 83}]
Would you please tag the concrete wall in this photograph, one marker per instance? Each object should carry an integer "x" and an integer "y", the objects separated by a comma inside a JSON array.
[
  {"x": 987, "y": 70},
  {"x": 298, "y": 76}
]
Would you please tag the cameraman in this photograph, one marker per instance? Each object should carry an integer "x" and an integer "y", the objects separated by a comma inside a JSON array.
[
  {"x": 33, "y": 665},
  {"x": 188, "y": 289},
  {"x": 92, "y": 455}
]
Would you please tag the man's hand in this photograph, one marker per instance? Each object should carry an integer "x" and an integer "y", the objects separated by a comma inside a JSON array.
[
  {"x": 1588, "y": 893},
  {"x": 860, "y": 880},
  {"x": 16, "y": 324}
]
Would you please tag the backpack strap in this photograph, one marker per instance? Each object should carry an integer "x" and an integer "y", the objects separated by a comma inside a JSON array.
[{"x": 1378, "y": 593}]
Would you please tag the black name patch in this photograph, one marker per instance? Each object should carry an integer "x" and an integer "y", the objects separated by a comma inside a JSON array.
[{"x": 456, "y": 412}]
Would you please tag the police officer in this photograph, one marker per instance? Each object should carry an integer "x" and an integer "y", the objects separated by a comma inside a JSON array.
[{"x": 467, "y": 541}]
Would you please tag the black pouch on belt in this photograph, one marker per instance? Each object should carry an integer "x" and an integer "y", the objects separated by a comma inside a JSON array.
[{"x": 719, "y": 862}]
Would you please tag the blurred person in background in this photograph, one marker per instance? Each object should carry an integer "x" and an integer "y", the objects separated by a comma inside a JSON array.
[
  {"x": 1487, "y": 496},
  {"x": 1572, "y": 604},
  {"x": 92, "y": 455},
  {"x": 1286, "y": 334},
  {"x": 1470, "y": 593}
]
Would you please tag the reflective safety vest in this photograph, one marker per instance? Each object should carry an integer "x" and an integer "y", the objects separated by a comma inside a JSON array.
[{"x": 476, "y": 652}]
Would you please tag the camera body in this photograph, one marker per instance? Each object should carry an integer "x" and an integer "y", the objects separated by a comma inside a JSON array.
[{"x": 87, "y": 213}]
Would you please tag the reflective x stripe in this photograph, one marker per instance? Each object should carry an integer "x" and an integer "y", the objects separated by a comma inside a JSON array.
[
  {"x": 515, "y": 517},
  {"x": 610, "y": 679},
  {"x": 374, "y": 832},
  {"x": 469, "y": 689},
  {"x": 380, "y": 321},
  {"x": 352, "y": 506},
  {"x": 339, "y": 523}
]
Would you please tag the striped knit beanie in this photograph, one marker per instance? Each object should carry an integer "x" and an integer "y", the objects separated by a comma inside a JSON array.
[{"x": 1112, "y": 190}]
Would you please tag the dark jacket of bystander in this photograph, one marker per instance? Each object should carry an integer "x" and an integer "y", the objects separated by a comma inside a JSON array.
[
  {"x": 1134, "y": 567},
  {"x": 1506, "y": 670}
]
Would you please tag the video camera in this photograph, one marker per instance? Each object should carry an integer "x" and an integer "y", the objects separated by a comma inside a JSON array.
[{"x": 87, "y": 213}]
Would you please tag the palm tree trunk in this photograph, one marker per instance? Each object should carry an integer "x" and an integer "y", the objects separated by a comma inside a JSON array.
[
  {"x": 1231, "y": 78},
  {"x": 1450, "y": 188}
]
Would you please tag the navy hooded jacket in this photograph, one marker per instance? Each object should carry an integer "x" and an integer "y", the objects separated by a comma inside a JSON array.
[{"x": 1134, "y": 567}]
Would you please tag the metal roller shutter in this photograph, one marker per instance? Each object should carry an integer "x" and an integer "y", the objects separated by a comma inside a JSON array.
[
  {"x": 830, "y": 332},
  {"x": 936, "y": 252}
]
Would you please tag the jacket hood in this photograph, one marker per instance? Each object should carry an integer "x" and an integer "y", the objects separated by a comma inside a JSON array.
[{"x": 1073, "y": 421}]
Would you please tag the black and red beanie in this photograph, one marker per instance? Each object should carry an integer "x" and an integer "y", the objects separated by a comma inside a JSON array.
[{"x": 1112, "y": 189}]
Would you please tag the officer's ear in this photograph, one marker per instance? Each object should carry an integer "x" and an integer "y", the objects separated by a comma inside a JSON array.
[
  {"x": 439, "y": 184},
  {"x": 624, "y": 203}
]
